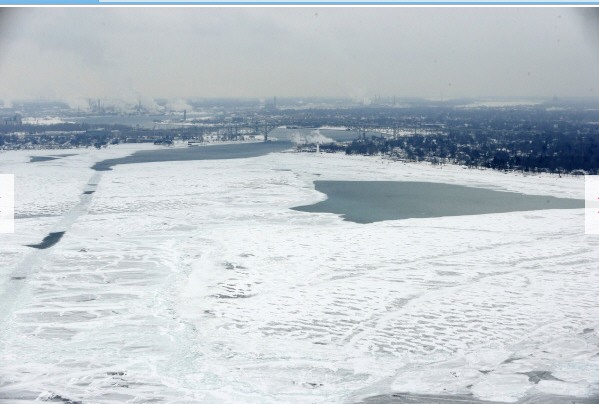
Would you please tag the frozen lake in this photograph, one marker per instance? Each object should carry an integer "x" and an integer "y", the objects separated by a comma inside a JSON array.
[
  {"x": 196, "y": 281},
  {"x": 373, "y": 201}
]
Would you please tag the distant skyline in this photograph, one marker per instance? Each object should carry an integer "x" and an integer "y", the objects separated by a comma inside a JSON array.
[{"x": 134, "y": 53}]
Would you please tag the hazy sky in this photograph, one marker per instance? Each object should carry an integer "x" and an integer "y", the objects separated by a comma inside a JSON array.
[{"x": 323, "y": 51}]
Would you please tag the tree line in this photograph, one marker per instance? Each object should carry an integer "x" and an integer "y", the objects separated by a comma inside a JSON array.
[{"x": 548, "y": 151}]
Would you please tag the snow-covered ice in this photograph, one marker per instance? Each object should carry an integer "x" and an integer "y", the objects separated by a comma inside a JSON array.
[{"x": 194, "y": 281}]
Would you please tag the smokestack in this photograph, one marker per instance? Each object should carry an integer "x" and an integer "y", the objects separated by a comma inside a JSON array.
[{"x": 266, "y": 132}]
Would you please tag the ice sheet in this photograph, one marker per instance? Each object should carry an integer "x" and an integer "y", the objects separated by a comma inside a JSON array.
[{"x": 194, "y": 282}]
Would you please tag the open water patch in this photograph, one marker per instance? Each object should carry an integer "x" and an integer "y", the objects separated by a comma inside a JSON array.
[
  {"x": 212, "y": 152},
  {"x": 48, "y": 241},
  {"x": 38, "y": 159},
  {"x": 374, "y": 201}
]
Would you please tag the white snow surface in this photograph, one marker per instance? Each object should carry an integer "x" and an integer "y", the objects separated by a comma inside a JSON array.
[{"x": 194, "y": 281}]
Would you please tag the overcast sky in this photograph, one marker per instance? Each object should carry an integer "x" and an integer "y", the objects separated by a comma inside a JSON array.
[{"x": 66, "y": 53}]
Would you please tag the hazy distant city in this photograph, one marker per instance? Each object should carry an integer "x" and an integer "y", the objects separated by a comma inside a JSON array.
[{"x": 556, "y": 136}]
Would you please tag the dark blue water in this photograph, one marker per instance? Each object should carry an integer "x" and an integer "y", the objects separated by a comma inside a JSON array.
[
  {"x": 48, "y": 241},
  {"x": 216, "y": 152},
  {"x": 37, "y": 159},
  {"x": 373, "y": 201}
]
